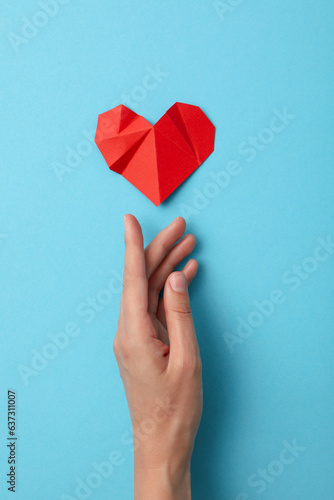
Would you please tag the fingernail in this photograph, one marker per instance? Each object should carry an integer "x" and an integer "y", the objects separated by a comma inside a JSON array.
[
  {"x": 124, "y": 220},
  {"x": 178, "y": 282}
]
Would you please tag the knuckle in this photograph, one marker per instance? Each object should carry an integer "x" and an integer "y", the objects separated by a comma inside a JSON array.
[
  {"x": 165, "y": 246},
  {"x": 130, "y": 274},
  {"x": 197, "y": 366},
  {"x": 183, "y": 311},
  {"x": 181, "y": 308},
  {"x": 128, "y": 278},
  {"x": 116, "y": 346},
  {"x": 178, "y": 367},
  {"x": 188, "y": 366},
  {"x": 192, "y": 365},
  {"x": 126, "y": 348}
]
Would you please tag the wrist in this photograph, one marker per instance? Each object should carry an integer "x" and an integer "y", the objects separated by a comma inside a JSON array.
[{"x": 169, "y": 480}]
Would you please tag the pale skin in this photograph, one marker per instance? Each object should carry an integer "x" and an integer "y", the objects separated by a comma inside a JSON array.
[{"x": 159, "y": 359}]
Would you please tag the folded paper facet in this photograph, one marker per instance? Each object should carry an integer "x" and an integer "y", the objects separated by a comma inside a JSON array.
[{"x": 156, "y": 159}]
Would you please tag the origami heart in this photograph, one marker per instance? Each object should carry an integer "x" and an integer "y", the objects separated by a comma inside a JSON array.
[{"x": 156, "y": 159}]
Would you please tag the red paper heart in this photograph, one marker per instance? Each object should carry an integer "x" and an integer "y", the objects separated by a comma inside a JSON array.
[{"x": 156, "y": 159}]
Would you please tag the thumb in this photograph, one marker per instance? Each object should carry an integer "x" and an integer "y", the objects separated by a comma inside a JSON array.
[{"x": 179, "y": 320}]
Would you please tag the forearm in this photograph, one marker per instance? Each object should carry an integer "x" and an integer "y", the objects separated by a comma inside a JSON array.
[{"x": 161, "y": 483}]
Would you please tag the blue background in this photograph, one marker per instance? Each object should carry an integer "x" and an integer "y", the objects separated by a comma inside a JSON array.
[{"x": 61, "y": 237}]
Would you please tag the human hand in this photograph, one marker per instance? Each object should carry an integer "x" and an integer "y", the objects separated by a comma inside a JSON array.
[{"x": 159, "y": 360}]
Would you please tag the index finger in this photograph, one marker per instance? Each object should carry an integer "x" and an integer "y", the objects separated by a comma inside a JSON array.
[{"x": 135, "y": 291}]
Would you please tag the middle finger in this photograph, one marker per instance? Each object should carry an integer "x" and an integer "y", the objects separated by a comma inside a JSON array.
[{"x": 159, "y": 247}]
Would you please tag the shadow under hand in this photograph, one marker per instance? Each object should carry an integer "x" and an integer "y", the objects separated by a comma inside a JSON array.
[{"x": 210, "y": 464}]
